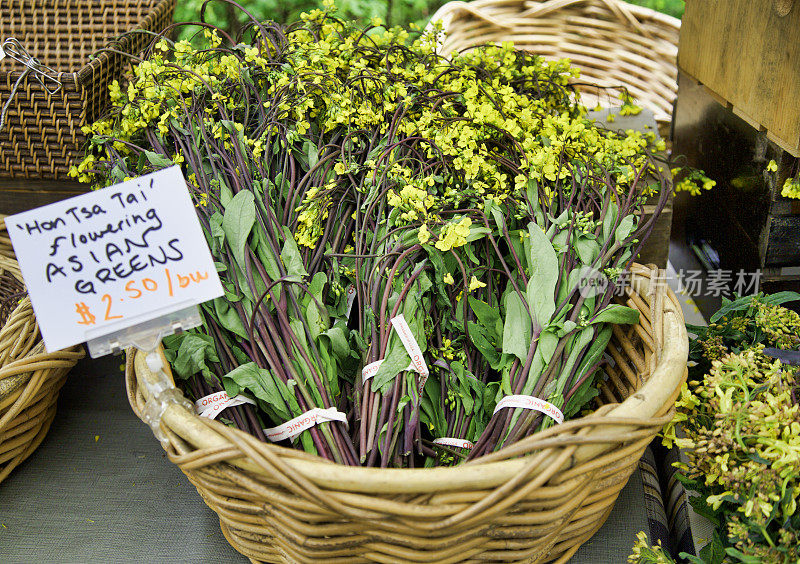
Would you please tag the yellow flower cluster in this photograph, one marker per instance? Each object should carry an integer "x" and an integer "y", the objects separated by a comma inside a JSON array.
[
  {"x": 791, "y": 188},
  {"x": 160, "y": 91},
  {"x": 313, "y": 213},
  {"x": 494, "y": 120},
  {"x": 743, "y": 407},
  {"x": 454, "y": 234},
  {"x": 338, "y": 85},
  {"x": 416, "y": 201},
  {"x": 694, "y": 182}
]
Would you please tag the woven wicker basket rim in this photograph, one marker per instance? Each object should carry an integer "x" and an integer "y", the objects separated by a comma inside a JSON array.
[
  {"x": 548, "y": 6},
  {"x": 653, "y": 399},
  {"x": 615, "y": 44},
  {"x": 26, "y": 411},
  {"x": 151, "y": 14},
  {"x": 151, "y": 9}
]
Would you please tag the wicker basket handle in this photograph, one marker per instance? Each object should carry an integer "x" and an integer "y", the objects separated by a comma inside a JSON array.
[{"x": 620, "y": 9}]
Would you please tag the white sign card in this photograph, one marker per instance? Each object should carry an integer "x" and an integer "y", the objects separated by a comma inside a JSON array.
[{"x": 114, "y": 258}]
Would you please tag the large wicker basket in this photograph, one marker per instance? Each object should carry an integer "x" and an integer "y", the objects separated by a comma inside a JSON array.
[
  {"x": 534, "y": 501},
  {"x": 42, "y": 135},
  {"x": 613, "y": 43},
  {"x": 30, "y": 378}
]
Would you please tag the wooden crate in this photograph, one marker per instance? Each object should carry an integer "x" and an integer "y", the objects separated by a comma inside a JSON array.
[
  {"x": 744, "y": 218},
  {"x": 746, "y": 53}
]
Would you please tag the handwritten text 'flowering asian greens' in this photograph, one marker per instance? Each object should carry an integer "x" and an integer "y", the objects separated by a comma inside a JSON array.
[{"x": 113, "y": 258}]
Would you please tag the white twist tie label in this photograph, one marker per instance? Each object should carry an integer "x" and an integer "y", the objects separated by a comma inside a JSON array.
[
  {"x": 212, "y": 405},
  {"x": 458, "y": 443},
  {"x": 413, "y": 349},
  {"x": 351, "y": 297},
  {"x": 303, "y": 422},
  {"x": 410, "y": 343},
  {"x": 530, "y": 402},
  {"x": 371, "y": 369}
]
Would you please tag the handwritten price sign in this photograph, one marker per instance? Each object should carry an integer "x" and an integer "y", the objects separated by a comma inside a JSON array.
[{"x": 114, "y": 258}]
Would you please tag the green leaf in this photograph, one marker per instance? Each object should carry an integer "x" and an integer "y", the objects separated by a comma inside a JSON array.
[
  {"x": 228, "y": 317},
  {"x": 317, "y": 319},
  {"x": 339, "y": 344},
  {"x": 576, "y": 345},
  {"x": 498, "y": 216},
  {"x": 329, "y": 367},
  {"x": 596, "y": 350},
  {"x": 541, "y": 290},
  {"x": 193, "y": 353},
  {"x": 781, "y": 297},
  {"x": 225, "y": 193},
  {"x": 261, "y": 384},
  {"x": 464, "y": 389},
  {"x": 609, "y": 219},
  {"x": 489, "y": 351},
  {"x": 565, "y": 328},
  {"x": 619, "y": 314},
  {"x": 476, "y": 233},
  {"x": 311, "y": 153},
  {"x": 586, "y": 393},
  {"x": 587, "y": 249},
  {"x": 217, "y": 232},
  {"x": 624, "y": 228},
  {"x": 238, "y": 221},
  {"x": 291, "y": 257},
  {"x": 172, "y": 343},
  {"x": 742, "y": 557},
  {"x": 532, "y": 192},
  {"x": 267, "y": 257},
  {"x": 713, "y": 552},
  {"x": 395, "y": 362},
  {"x": 548, "y": 342},
  {"x": 517, "y": 327},
  {"x": 488, "y": 317},
  {"x": 158, "y": 161}
]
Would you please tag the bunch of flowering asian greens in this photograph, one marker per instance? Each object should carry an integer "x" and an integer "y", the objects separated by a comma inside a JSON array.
[
  {"x": 738, "y": 420},
  {"x": 404, "y": 239}
]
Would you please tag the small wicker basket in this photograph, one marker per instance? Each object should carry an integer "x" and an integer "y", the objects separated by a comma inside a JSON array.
[
  {"x": 42, "y": 135},
  {"x": 613, "y": 43},
  {"x": 534, "y": 501},
  {"x": 30, "y": 378}
]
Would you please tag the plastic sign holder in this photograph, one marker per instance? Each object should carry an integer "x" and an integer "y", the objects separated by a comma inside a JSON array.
[{"x": 146, "y": 335}]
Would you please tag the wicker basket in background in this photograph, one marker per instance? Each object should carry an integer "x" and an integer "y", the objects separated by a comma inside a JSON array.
[
  {"x": 30, "y": 378},
  {"x": 534, "y": 501},
  {"x": 42, "y": 135},
  {"x": 613, "y": 43}
]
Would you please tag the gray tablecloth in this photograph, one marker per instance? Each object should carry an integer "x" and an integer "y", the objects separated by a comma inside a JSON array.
[{"x": 100, "y": 489}]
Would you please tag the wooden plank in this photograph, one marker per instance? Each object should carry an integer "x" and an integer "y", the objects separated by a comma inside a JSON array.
[
  {"x": 748, "y": 53},
  {"x": 20, "y": 195}
]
